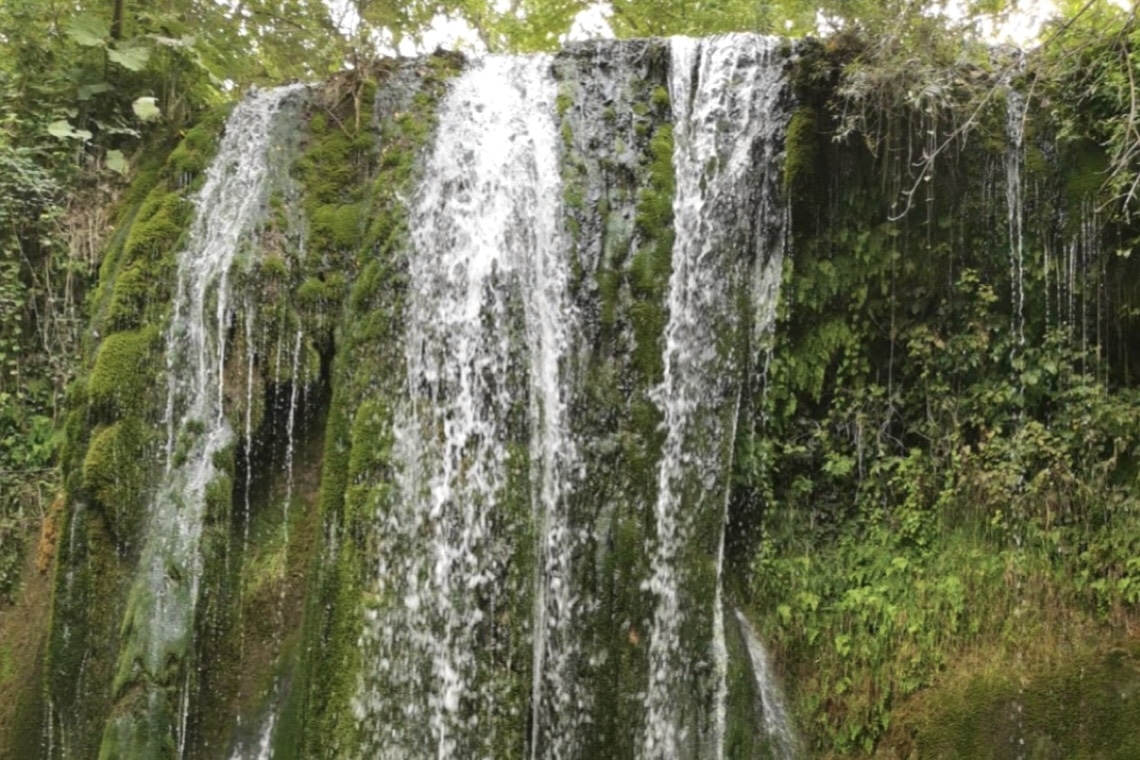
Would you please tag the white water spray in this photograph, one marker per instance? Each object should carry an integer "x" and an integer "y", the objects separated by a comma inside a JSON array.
[{"x": 485, "y": 225}]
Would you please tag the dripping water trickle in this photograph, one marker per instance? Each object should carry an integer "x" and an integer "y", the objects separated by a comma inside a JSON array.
[
  {"x": 782, "y": 738},
  {"x": 1015, "y": 204}
]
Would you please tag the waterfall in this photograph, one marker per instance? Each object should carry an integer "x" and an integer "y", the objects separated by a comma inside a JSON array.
[
  {"x": 781, "y": 737},
  {"x": 487, "y": 254},
  {"x": 464, "y": 446},
  {"x": 262, "y": 748},
  {"x": 725, "y": 93},
  {"x": 1015, "y": 204},
  {"x": 158, "y": 629},
  {"x": 489, "y": 331}
]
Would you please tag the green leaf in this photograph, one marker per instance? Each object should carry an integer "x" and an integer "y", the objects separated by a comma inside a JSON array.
[
  {"x": 116, "y": 162},
  {"x": 63, "y": 130},
  {"x": 184, "y": 41},
  {"x": 132, "y": 58},
  {"x": 146, "y": 108},
  {"x": 87, "y": 91},
  {"x": 115, "y": 128},
  {"x": 88, "y": 31},
  {"x": 60, "y": 129},
  {"x": 785, "y": 613}
]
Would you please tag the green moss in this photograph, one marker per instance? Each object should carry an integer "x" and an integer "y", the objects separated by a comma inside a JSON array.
[
  {"x": 369, "y": 465},
  {"x": 644, "y": 277},
  {"x": 331, "y": 163},
  {"x": 273, "y": 267},
  {"x": 321, "y": 294},
  {"x": 219, "y": 499},
  {"x": 660, "y": 97},
  {"x": 114, "y": 473},
  {"x": 147, "y": 176},
  {"x": 137, "y": 272},
  {"x": 609, "y": 292},
  {"x": 573, "y": 198},
  {"x": 801, "y": 147},
  {"x": 372, "y": 441},
  {"x": 160, "y": 223},
  {"x": 562, "y": 102},
  {"x": 655, "y": 203},
  {"x": 125, "y": 367},
  {"x": 318, "y": 124},
  {"x": 649, "y": 269},
  {"x": 336, "y": 226},
  {"x": 133, "y": 291},
  {"x": 193, "y": 154}
]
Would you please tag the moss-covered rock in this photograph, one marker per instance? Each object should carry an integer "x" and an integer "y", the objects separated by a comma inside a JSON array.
[
  {"x": 800, "y": 151},
  {"x": 161, "y": 221},
  {"x": 357, "y": 250},
  {"x": 124, "y": 371},
  {"x": 114, "y": 474},
  {"x": 336, "y": 225}
]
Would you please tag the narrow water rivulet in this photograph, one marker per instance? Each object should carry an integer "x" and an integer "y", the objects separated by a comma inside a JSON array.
[
  {"x": 782, "y": 741},
  {"x": 158, "y": 631}
]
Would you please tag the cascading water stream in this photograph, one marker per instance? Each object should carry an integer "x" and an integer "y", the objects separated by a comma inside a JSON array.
[
  {"x": 783, "y": 743},
  {"x": 1014, "y": 159},
  {"x": 296, "y": 382},
  {"x": 158, "y": 629},
  {"x": 485, "y": 239},
  {"x": 727, "y": 119},
  {"x": 251, "y": 360},
  {"x": 550, "y": 328}
]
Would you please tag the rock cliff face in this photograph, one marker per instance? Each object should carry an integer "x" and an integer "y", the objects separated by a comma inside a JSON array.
[{"x": 479, "y": 408}]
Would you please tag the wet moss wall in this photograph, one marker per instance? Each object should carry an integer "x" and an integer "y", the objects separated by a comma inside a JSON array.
[
  {"x": 910, "y": 475},
  {"x": 943, "y": 477},
  {"x": 619, "y": 206},
  {"x": 112, "y": 433}
]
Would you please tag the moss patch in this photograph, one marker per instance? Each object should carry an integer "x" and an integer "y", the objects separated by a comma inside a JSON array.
[
  {"x": 357, "y": 250},
  {"x": 1085, "y": 706},
  {"x": 800, "y": 151},
  {"x": 122, "y": 376},
  {"x": 114, "y": 474}
]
